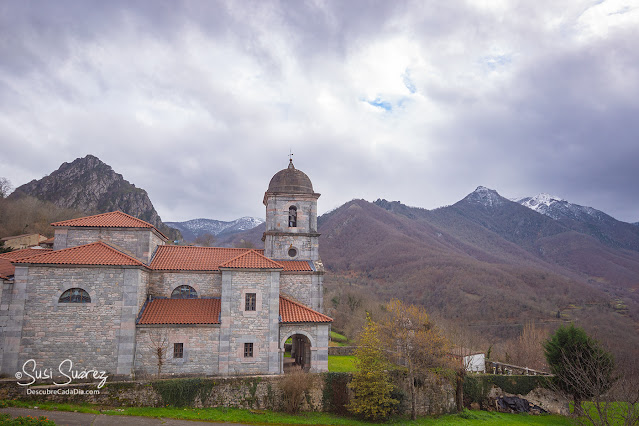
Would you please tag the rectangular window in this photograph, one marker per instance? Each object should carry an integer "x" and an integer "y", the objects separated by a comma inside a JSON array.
[
  {"x": 249, "y": 302},
  {"x": 248, "y": 350},
  {"x": 178, "y": 350}
]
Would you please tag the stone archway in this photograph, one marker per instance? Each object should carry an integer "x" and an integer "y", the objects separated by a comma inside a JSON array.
[{"x": 296, "y": 352}]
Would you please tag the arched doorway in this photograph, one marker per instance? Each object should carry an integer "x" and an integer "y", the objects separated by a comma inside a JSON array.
[{"x": 297, "y": 353}]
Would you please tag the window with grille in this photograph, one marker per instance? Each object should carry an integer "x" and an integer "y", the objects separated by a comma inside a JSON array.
[
  {"x": 75, "y": 295},
  {"x": 250, "y": 302},
  {"x": 248, "y": 350},
  {"x": 178, "y": 350},
  {"x": 184, "y": 292}
]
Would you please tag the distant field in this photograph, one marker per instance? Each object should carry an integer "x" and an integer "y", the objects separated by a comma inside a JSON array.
[{"x": 341, "y": 364}]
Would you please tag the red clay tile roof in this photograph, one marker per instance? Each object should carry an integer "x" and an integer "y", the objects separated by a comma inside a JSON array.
[
  {"x": 293, "y": 312},
  {"x": 6, "y": 267},
  {"x": 185, "y": 258},
  {"x": 181, "y": 311},
  {"x": 251, "y": 260},
  {"x": 27, "y": 252},
  {"x": 97, "y": 253},
  {"x": 296, "y": 265},
  {"x": 115, "y": 219}
]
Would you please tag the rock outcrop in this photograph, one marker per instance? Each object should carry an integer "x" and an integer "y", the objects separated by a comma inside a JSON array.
[{"x": 89, "y": 185}]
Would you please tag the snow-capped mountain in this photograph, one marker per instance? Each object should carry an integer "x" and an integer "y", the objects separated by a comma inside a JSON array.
[
  {"x": 586, "y": 220},
  {"x": 485, "y": 196},
  {"x": 193, "y": 228},
  {"x": 558, "y": 209}
]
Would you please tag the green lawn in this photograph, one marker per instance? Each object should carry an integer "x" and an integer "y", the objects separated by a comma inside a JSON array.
[
  {"x": 234, "y": 415},
  {"x": 341, "y": 364}
]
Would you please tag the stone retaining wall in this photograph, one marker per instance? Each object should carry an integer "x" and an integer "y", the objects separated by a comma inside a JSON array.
[
  {"x": 341, "y": 350},
  {"x": 435, "y": 396}
]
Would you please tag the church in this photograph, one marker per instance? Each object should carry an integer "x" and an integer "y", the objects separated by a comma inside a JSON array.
[{"x": 112, "y": 294}]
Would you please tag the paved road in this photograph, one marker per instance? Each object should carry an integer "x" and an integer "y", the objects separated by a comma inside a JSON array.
[{"x": 83, "y": 419}]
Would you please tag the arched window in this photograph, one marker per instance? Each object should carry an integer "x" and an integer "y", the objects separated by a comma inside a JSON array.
[
  {"x": 75, "y": 295},
  {"x": 184, "y": 292},
  {"x": 292, "y": 217}
]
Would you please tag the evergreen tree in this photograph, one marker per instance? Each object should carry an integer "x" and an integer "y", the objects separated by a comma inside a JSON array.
[
  {"x": 582, "y": 367},
  {"x": 371, "y": 384}
]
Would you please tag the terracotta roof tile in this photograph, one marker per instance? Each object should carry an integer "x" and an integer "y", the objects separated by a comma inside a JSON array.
[
  {"x": 115, "y": 219},
  {"x": 185, "y": 258},
  {"x": 181, "y": 311},
  {"x": 296, "y": 265},
  {"x": 294, "y": 312},
  {"x": 27, "y": 252},
  {"x": 251, "y": 260},
  {"x": 97, "y": 253},
  {"x": 7, "y": 269}
]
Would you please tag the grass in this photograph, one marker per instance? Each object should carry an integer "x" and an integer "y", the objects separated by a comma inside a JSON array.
[
  {"x": 338, "y": 339},
  {"x": 341, "y": 364},
  {"x": 234, "y": 415}
]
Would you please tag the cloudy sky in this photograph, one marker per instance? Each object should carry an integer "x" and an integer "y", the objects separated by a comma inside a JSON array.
[{"x": 199, "y": 102}]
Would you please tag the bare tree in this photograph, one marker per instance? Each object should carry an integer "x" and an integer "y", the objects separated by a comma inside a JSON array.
[
  {"x": 528, "y": 350},
  {"x": 414, "y": 341},
  {"x": 205, "y": 240},
  {"x": 5, "y": 187},
  {"x": 159, "y": 345}
]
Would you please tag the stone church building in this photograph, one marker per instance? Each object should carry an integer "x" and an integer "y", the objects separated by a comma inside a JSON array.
[{"x": 111, "y": 292}]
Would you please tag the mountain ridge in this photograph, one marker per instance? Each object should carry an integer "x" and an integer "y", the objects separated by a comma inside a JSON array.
[{"x": 89, "y": 185}]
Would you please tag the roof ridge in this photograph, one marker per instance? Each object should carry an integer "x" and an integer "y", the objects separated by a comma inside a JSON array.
[
  {"x": 248, "y": 252},
  {"x": 76, "y": 248}
]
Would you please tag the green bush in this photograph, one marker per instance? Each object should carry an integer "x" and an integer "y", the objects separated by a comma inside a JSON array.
[
  {"x": 182, "y": 392},
  {"x": 335, "y": 394}
]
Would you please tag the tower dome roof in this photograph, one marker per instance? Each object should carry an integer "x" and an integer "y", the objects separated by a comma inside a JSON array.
[{"x": 290, "y": 181}]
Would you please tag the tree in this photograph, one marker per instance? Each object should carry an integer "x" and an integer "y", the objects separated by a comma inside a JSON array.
[
  {"x": 371, "y": 383},
  {"x": 159, "y": 345},
  {"x": 415, "y": 342},
  {"x": 205, "y": 240},
  {"x": 582, "y": 367},
  {"x": 5, "y": 187},
  {"x": 528, "y": 349}
]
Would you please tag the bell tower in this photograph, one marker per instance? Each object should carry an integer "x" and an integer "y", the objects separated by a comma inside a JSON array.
[{"x": 291, "y": 217}]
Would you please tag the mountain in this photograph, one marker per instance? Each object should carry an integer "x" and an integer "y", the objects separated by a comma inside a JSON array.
[
  {"x": 585, "y": 220},
  {"x": 485, "y": 261},
  {"x": 191, "y": 229},
  {"x": 91, "y": 186}
]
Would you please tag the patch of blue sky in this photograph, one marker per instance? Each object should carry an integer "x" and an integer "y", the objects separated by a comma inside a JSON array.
[
  {"x": 410, "y": 84},
  {"x": 379, "y": 103},
  {"x": 497, "y": 61}
]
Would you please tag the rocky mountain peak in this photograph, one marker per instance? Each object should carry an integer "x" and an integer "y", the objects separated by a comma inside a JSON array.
[
  {"x": 92, "y": 186},
  {"x": 485, "y": 196}
]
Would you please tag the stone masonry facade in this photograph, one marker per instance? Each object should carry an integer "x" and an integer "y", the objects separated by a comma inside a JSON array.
[{"x": 104, "y": 298}]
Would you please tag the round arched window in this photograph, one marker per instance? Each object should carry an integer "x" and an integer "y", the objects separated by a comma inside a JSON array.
[
  {"x": 292, "y": 252},
  {"x": 75, "y": 295},
  {"x": 184, "y": 292},
  {"x": 292, "y": 217}
]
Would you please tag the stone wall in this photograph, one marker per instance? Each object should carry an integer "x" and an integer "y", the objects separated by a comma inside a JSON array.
[
  {"x": 280, "y": 237},
  {"x": 138, "y": 243},
  {"x": 200, "y": 344},
  {"x": 259, "y": 327},
  {"x": 207, "y": 284},
  {"x": 257, "y": 392},
  {"x": 100, "y": 334}
]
